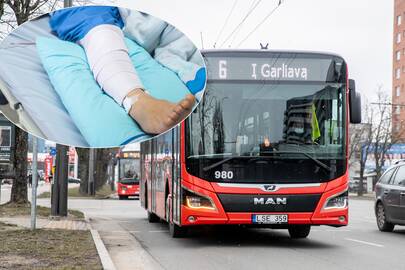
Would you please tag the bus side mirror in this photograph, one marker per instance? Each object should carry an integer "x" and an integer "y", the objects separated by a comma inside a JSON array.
[{"x": 354, "y": 103}]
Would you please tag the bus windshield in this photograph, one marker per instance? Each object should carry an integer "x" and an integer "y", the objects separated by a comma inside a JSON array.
[
  {"x": 128, "y": 170},
  {"x": 268, "y": 132}
]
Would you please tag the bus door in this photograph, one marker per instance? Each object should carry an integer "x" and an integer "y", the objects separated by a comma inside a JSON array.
[{"x": 176, "y": 179}]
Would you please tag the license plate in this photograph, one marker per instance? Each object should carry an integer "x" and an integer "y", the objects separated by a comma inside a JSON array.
[{"x": 270, "y": 219}]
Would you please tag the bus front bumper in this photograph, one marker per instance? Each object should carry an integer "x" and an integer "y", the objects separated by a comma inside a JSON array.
[
  {"x": 192, "y": 217},
  {"x": 320, "y": 216}
]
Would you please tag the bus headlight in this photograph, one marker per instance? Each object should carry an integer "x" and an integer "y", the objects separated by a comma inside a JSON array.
[
  {"x": 339, "y": 201},
  {"x": 197, "y": 201}
]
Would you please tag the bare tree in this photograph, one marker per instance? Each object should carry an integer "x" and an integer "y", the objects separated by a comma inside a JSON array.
[
  {"x": 101, "y": 167},
  {"x": 378, "y": 136},
  {"x": 383, "y": 136},
  {"x": 1, "y": 8},
  {"x": 365, "y": 149},
  {"x": 83, "y": 169},
  {"x": 102, "y": 160},
  {"x": 357, "y": 137},
  {"x": 13, "y": 13},
  {"x": 360, "y": 141}
]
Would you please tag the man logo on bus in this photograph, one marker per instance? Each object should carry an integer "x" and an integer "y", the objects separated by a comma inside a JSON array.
[
  {"x": 273, "y": 201},
  {"x": 270, "y": 187}
]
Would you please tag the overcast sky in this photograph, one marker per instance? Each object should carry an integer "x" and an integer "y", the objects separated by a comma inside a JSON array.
[{"x": 360, "y": 30}]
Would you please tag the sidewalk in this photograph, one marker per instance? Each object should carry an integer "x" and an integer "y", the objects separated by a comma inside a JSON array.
[
  {"x": 47, "y": 223},
  {"x": 64, "y": 225}
]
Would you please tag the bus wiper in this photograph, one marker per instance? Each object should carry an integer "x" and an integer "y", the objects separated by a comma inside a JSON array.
[
  {"x": 317, "y": 161},
  {"x": 228, "y": 159}
]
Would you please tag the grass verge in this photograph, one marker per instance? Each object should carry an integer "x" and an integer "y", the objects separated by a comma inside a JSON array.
[
  {"x": 46, "y": 249},
  {"x": 13, "y": 210},
  {"x": 74, "y": 192}
]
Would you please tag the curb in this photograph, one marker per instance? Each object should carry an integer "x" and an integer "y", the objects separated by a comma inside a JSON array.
[{"x": 103, "y": 254}]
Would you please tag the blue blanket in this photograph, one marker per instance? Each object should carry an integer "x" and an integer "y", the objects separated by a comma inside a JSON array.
[{"x": 103, "y": 122}]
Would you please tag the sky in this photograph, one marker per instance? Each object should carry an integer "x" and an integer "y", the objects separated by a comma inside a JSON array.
[{"x": 360, "y": 30}]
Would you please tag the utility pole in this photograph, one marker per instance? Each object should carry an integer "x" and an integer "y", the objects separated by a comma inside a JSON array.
[
  {"x": 59, "y": 189},
  {"x": 34, "y": 173},
  {"x": 60, "y": 182},
  {"x": 202, "y": 40},
  {"x": 67, "y": 3},
  {"x": 91, "y": 185}
]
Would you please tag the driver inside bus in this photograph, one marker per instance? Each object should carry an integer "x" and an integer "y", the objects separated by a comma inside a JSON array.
[
  {"x": 266, "y": 148},
  {"x": 129, "y": 174}
]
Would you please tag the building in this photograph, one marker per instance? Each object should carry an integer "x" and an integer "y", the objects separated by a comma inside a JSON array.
[
  {"x": 398, "y": 76},
  {"x": 7, "y": 143}
]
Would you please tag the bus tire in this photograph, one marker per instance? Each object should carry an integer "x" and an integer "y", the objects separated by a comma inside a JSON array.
[
  {"x": 123, "y": 197},
  {"x": 299, "y": 231},
  {"x": 174, "y": 230},
  {"x": 152, "y": 218}
]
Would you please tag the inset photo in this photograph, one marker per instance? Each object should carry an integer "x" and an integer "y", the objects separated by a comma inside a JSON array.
[{"x": 99, "y": 76}]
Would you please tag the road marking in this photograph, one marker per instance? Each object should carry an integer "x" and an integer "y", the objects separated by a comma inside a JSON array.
[
  {"x": 364, "y": 242},
  {"x": 134, "y": 231},
  {"x": 338, "y": 230},
  {"x": 158, "y": 231}
]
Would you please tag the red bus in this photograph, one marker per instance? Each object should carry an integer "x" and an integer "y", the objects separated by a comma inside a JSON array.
[
  {"x": 127, "y": 174},
  {"x": 267, "y": 146}
]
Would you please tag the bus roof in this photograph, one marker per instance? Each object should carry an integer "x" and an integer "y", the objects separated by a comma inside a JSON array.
[{"x": 265, "y": 51}]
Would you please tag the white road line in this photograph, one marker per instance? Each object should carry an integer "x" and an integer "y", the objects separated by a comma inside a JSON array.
[
  {"x": 157, "y": 231},
  {"x": 134, "y": 231},
  {"x": 364, "y": 242}
]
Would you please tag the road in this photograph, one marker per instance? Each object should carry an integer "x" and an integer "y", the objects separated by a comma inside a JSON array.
[
  {"x": 42, "y": 187},
  {"x": 357, "y": 246}
]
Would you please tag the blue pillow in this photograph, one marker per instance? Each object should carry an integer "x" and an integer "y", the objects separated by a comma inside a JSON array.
[{"x": 102, "y": 122}]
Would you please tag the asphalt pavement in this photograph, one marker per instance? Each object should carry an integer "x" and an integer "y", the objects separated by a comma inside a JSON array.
[{"x": 124, "y": 229}]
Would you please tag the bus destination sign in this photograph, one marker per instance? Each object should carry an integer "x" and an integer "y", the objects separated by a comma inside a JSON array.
[{"x": 275, "y": 69}]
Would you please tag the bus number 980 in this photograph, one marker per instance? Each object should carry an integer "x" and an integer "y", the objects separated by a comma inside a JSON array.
[{"x": 223, "y": 174}]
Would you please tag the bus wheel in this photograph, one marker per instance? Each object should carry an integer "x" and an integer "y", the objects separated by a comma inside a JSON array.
[
  {"x": 152, "y": 218},
  {"x": 299, "y": 231},
  {"x": 122, "y": 197},
  {"x": 175, "y": 230}
]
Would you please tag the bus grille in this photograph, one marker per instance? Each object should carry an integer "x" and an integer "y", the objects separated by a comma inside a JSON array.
[{"x": 269, "y": 203}]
